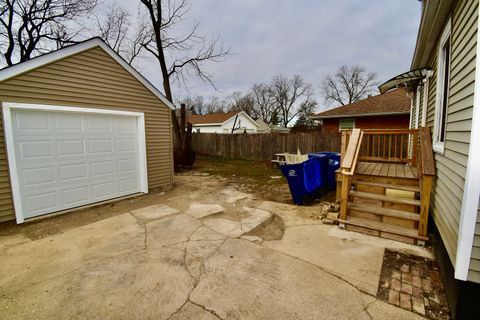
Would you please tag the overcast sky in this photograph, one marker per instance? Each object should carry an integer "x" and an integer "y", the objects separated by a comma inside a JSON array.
[{"x": 306, "y": 37}]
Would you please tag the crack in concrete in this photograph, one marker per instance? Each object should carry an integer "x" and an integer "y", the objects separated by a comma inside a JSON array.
[
  {"x": 195, "y": 280},
  {"x": 212, "y": 312},
  {"x": 365, "y": 307},
  {"x": 321, "y": 269}
]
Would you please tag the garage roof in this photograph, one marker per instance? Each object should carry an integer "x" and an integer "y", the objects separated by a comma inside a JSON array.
[
  {"x": 62, "y": 53},
  {"x": 392, "y": 102}
]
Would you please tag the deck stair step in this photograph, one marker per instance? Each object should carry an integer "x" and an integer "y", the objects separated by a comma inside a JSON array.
[
  {"x": 381, "y": 197},
  {"x": 384, "y": 211},
  {"x": 382, "y": 227},
  {"x": 387, "y": 185}
]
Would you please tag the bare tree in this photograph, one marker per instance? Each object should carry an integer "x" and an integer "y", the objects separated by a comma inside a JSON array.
[
  {"x": 264, "y": 102},
  {"x": 118, "y": 31},
  {"x": 291, "y": 96},
  {"x": 243, "y": 102},
  {"x": 184, "y": 53},
  {"x": 31, "y": 27},
  {"x": 348, "y": 85},
  {"x": 194, "y": 105},
  {"x": 215, "y": 105}
]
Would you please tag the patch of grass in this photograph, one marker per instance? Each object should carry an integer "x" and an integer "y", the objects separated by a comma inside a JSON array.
[{"x": 259, "y": 172}]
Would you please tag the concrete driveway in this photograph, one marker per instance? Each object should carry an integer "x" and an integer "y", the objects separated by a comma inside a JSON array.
[{"x": 201, "y": 251}]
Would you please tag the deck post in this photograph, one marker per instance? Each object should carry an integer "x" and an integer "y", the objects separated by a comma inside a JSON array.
[
  {"x": 338, "y": 178},
  {"x": 346, "y": 184},
  {"x": 426, "y": 187}
]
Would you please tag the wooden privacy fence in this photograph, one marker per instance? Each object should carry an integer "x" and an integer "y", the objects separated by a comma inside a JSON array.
[{"x": 263, "y": 146}]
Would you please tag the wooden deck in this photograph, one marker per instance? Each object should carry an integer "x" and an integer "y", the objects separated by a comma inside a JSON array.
[{"x": 387, "y": 170}]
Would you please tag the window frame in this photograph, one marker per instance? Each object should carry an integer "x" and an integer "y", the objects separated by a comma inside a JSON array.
[
  {"x": 443, "y": 90},
  {"x": 343, "y": 119}
]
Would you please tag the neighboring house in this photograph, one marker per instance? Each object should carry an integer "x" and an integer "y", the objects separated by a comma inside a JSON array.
[
  {"x": 80, "y": 126},
  {"x": 274, "y": 128},
  {"x": 386, "y": 111},
  {"x": 239, "y": 121},
  {"x": 263, "y": 127},
  {"x": 445, "y": 77}
]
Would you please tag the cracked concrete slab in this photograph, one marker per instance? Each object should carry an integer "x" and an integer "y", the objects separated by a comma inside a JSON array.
[
  {"x": 88, "y": 272},
  {"x": 256, "y": 217},
  {"x": 155, "y": 211},
  {"x": 201, "y": 210},
  {"x": 245, "y": 281},
  {"x": 225, "y": 226},
  {"x": 233, "y": 195},
  {"x": 206, "y": 233},
  {"x": 356, "y": 262},
  {"x": 171, "y": 230},
  {"x": 157, "y": 263}
]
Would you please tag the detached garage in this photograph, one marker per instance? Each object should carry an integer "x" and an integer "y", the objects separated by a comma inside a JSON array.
[{"x": 80, "y": 126}]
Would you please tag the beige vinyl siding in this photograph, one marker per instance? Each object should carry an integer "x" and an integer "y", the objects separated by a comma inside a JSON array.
[
  {"x": 92, "y": 79},
  {"x": 451, "y": 166},
  {"x": 474, "y": 271}
]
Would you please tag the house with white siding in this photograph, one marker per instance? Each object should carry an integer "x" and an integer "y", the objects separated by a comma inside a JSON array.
[
  {"x": 224, "y": 122},
  {"x": 445, "y": 89}
]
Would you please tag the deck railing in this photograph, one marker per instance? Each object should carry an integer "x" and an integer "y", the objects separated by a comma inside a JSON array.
[{"x": 395, "y": 146}]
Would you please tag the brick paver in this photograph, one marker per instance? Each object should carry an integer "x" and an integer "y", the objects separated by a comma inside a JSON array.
[{"x": 405, "y": 301}]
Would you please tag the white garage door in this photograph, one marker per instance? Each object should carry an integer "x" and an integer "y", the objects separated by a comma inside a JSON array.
[{"x": 69, "y": 159}]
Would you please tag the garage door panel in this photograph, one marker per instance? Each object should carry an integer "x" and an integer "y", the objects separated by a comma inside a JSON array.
[
  {"x": 128, "y": 185},
  {"x": 40, "y": 203},
  {"x": 38, "y": 176},
  {"x": 71, "y": 147},
  {"x": 126, "y": 145},
  {"x": 99, "y": 122},
  {"x": 75, "y": 196},
  {"x": 99, "y": 146},
  {"x": 68, "y": 122},
  {"x": 30, "y": 122},
  {"x": 73, "y": 171},
  {"x": 101, "y": 168},
  {"x": 70, "y": 159},
  {"x": 103, "y": 190},
  {"x": 125, "y": 124},
  {"x": 35, "y": 149}
]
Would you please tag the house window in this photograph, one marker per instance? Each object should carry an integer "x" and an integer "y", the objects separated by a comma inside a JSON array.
[
  {"x": 198, "y": 130},
  {"x": 441, "y": 106},
  {"x": 347, "y": 124}
]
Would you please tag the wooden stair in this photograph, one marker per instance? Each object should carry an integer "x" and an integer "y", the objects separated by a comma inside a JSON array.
[
  {"x": 377, "y": 209},
  {"x": 384, "y": 189}
]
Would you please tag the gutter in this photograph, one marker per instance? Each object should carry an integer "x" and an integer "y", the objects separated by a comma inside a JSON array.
[{"x": 358, "y": 115}]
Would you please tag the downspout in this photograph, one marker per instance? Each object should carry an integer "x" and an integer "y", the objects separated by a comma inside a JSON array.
[{"x": 426, "y": 81}]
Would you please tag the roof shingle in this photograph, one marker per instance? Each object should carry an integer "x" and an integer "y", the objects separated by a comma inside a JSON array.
[
  {"x": 392, "y": 102},
  {"x": 211, "y": 118}
]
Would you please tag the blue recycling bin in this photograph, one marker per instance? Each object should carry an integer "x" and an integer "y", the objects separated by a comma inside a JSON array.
[
  {"x": 322, "y": 160},
  {"x": 304, "y": 180},
  {"x": 329, "y": 163}
]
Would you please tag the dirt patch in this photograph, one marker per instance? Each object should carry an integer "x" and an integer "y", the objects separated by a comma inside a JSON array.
[
  {"x": 413, "y": 283},
  {"x": 272, "y": 229},
  {"x": 260, "y": 178}
]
